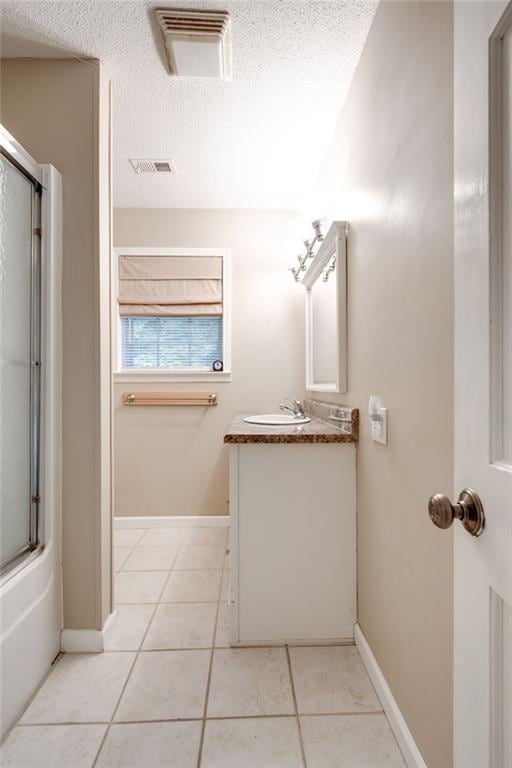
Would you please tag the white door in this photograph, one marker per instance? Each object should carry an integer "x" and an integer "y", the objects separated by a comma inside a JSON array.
[{"x": 483, "y": 381}]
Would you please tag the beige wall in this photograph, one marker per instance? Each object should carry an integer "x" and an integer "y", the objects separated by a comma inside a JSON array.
[
  {"x": 389, "y": 172},
  {"x": 171, "y": 461},
  {"x": 59, "y": 111}
]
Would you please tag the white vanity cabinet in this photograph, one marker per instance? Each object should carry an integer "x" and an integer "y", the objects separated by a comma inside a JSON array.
[{"x": 292, "y": 541}]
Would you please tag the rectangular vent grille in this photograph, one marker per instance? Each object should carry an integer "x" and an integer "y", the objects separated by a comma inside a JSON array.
[
  {"x": 196, "y": 43},
  {"x": 192, "y": 22},
  {"x": 153, "y": 166}
]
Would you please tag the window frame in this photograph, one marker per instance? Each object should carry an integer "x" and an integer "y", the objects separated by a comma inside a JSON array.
[{"x": 171, "y": 374}]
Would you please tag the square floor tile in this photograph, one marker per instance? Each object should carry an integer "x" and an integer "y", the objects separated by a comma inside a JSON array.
[
  {"x": 181, "y": 625},
  {"x": 250, "y": 681},
  {"x": 192, "y": 587},
  {"x": 120, "y": 555},
  {"x": 166, "y": 685},
  {"x": 223, "y": 632},
  {"x": 164, "y": 537},
  {"x": 52, "y": 746},
  {"x": 261, "y": 743},
  {"x": 331, "y": 679},
  {"x": 128, "y": 626},
  {"x": 350, "y": 741},
  {"x": 206, "y": 536},
  {"x": 82, "y": 687},
  {"x": 151, "y": 745},
  {"x": 139, "y": 586},
  {"x": 199, "y": 558},
  {"x": 151, "y": 559},
  {"x": 128, "y": 537}
]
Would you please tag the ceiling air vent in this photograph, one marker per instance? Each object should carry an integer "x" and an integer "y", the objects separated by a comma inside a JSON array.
[
  {"x": 196, "y": 43},
  {"x": 153, "y": 166}
]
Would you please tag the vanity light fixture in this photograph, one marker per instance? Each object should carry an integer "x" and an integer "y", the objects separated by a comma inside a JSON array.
[{"x": 310, "y": 246}]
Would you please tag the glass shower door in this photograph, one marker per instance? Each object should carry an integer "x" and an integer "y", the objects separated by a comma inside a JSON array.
[{"x": 20, "y": 321}]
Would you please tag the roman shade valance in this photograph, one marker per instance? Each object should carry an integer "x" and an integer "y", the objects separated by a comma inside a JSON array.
[{"x": 166, "y": 286}]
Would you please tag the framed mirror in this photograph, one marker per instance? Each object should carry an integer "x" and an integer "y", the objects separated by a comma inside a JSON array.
[{"x": 326, "y": 313}]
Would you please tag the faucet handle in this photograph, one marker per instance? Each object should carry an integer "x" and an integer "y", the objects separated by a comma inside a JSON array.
[
  {"x": 290, "y": 400},
  {"x": 297, "y": 407}
]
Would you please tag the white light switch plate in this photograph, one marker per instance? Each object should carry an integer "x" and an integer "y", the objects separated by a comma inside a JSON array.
[{"x": 380, "y": 427}]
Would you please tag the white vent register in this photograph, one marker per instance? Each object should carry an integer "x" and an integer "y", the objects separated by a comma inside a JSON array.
[
  {"x": 153, "y": 166},
  {"x": 196, "y": 43}
]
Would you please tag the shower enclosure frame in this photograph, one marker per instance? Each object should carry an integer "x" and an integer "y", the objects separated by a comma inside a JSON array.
[
  {"x": 19, "y": 159},
  {"x": 31, "y": 606}
]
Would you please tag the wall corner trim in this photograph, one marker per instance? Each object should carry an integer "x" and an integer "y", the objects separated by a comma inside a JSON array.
[
  {"x": 404, "y": 737},
  {"x": 85, "y": 640}
]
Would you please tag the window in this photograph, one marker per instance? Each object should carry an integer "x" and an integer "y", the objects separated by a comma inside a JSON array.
[
  {"x": 171, "y": 342},
  {"x": 172, "y": 311}
]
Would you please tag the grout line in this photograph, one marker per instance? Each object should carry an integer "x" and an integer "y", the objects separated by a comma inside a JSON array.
[
  {"x": 64, "y": 722},
  {"x": 302, "y": 714},
  {"x": 203, "y": 727},
  {"x": 132, "y": 546},
  {"x": 144, "y": 570},
  {"x": 188, "y": 602},
  {"x": 342, "y": 713},
  {"x": 203, "y": 647},
  {"x": 175, "y": 648},
  {"x": 296, "y": 708},
  {"x": 200, "y": 719},
  {"x": 148, "y": 602},
  {"x": 195, "y": 568}
]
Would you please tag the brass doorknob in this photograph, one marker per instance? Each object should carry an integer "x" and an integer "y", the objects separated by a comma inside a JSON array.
[{"x": 468, "y": 509}]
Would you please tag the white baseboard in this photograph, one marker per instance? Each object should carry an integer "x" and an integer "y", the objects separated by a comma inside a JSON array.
[
  {"x": 84, "y": 640},
  {"x": 81, "y": 641},
  {"x": 182, "y": 521},
  {"x": 404, "y": 737}
]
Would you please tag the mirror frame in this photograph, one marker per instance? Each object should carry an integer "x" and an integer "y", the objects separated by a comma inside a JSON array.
[{"x": 333, "y": 244}]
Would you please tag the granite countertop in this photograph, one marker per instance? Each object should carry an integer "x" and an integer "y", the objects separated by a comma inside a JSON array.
[{"x": 315, "y": 431}]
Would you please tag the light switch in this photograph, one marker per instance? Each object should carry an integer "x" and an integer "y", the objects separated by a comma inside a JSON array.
[{"x": 378, "y": 420}]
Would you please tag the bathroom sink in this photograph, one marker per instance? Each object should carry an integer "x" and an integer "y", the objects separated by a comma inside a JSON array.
[{"x": 277, "y": 419}]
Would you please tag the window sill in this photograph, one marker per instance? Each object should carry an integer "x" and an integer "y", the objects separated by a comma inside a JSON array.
[{"x": 132, "y": 377}]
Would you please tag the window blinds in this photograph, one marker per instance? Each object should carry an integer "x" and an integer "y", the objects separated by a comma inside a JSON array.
[
  {"x": 170, "y": 286},
  {"x": 171, "y": 342}
]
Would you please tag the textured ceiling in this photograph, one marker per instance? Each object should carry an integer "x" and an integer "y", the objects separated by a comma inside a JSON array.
[{"x": 255, "y": 142}]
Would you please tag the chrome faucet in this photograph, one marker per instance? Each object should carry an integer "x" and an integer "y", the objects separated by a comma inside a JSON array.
[{"x": 296, "y": 408}]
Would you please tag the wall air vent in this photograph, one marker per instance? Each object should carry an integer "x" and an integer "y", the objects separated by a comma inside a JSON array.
[
  {"x": 153, "y": 166},
  {"x": 196, "y": 43}
]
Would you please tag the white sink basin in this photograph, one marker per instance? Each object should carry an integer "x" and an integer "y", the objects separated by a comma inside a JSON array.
[{"x": 277, "y": 419}]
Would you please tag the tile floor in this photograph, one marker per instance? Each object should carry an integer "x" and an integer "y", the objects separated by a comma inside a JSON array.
[{"x": 170, "y": 693}]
